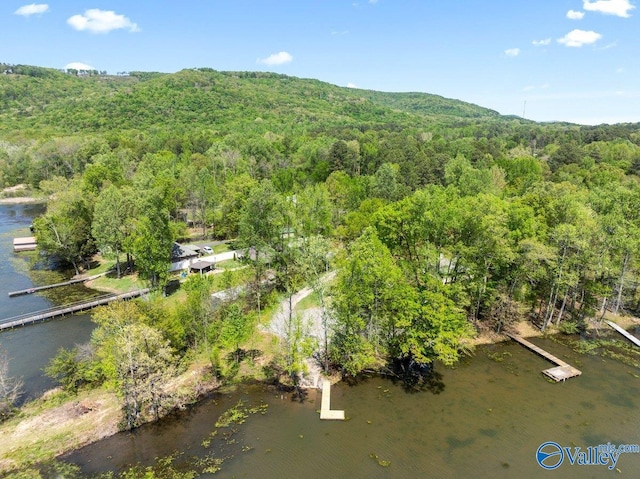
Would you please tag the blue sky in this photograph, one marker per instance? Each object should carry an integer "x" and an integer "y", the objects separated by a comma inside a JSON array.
[{"x": 551, "y": 60}]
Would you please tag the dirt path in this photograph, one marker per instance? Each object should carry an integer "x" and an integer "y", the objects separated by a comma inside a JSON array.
[{"x": 311, "y": 317}]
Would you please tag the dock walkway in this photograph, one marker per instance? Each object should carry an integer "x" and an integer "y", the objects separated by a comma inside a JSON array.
[
  {"x": 325, "y": 409},
  {"x": 561, "y": 372},
  {"x": 35, "y": 289},
  {"x": 624, "y": 332},
  {"x": 47, "y": 314}
]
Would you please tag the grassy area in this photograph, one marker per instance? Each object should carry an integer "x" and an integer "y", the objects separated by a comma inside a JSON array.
[
  {"x": 115, "y": 285},
  {"x": 104, "y": 265},
  {"x": 229, "y": 264},
  {"x": 231, "y": 279},
  {"x": 57, "y": 423},
  {"x": 60, "y": 422},
  {"x": 311, "y": 301},
  {"x": 221, "y": 248}
]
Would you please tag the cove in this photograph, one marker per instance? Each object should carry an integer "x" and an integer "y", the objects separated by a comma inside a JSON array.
[
  {"x": 484, "y": 418},
  {"x": 30, "y": 348}
]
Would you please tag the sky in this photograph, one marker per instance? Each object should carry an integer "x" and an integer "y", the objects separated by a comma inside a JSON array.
[{"x": 546, "y": 60}]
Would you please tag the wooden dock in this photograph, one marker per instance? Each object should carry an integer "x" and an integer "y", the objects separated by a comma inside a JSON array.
[
  {"x": 52, "y": 313},
  {"x": 325, "y": 410},
  {"x": 27, "y": 243},
  {"x": 624, "y": 332},
  {"x": 561, "y": 372},
  {"x": 35, "y": 289}
]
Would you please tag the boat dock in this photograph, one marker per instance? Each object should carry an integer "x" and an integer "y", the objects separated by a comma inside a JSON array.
[
  {"x": 561, "y": 372},
  {"x": 325, "y": 410},
  {"x": 624, "y": 332},
  {"x": 52, "y": 313},
  {"x": 35, "y": 289},
  {"x": 27, "y": 243}
]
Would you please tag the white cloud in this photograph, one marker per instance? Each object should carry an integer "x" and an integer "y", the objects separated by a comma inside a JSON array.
[
  {"x": 373, "y": 1},
  {"x": 276, "y": 59},
  {"x": 101, "y": 21},
  {"x": 577, "y": 38},
  {"x": 620, "y": 70},
  {"x": 610, "y": 45},
  {"x": 619, "y": 8},
  {"x": 512, "y": 52},
  {"x": 78, "y": 66},
  {"x": 337, "y": 33},
  {"x": 33, "y": 9},
  {"x": 352, "y": 85},
  {"x": 575, "y": 15},
  {"x": 540, "y": 43}
]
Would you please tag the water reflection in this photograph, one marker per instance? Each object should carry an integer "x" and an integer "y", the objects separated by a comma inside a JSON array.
[{"x": 30, "y": 348}]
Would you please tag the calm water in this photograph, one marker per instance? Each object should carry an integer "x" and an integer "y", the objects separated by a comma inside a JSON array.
[
  {"x": 30, "y": 348},
  {"x": 482, "y": 419}
]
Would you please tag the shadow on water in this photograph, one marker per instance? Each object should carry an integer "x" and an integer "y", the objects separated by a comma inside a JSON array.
[
  {"x": 410, "y": 376},
  {"x": 422, "y": 382},
  {"x": 416, "y": 378}
]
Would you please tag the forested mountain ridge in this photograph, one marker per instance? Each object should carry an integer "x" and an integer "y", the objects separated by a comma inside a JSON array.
[
  {"x": 439, "y": 217},
  {"x": 60, "y": 103}
]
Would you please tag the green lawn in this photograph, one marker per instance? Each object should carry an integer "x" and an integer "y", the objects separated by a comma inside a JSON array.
[
  {"x": 229, "y": 264},
  {"x": 311, "y": 301},
  {"x": 231, "y": 279},
  {"x": 221, "y": 248},
  {"x": 122, "y": 285}
]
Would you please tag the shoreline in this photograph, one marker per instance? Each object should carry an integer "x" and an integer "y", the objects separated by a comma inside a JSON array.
[
  {"x": 21, "y": 200},
  {"x": 90, "y": 416},
  {"x": 58, "y": 423}
]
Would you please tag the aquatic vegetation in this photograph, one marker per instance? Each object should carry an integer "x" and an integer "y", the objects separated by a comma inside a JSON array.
[
  {"x": 497, "y": 356},
  {"x": 236, "y": 415},
  {"x": 381, "y": 462}
]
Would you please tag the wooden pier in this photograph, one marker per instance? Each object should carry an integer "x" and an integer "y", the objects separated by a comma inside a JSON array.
[
  {"x": 325, "y": 410},
  {"x": 35, "y": 289},
  {"x": 45, "y": 315},
  {"x": 625, "y": 333},
  {"x": 28, "y": 243},
  {"x": 561, "y": 372}
]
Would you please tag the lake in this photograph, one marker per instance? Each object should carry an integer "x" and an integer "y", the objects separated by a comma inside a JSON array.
[
  {"x": 30, "y": 348},
  {"x": 484, "y": 418}
]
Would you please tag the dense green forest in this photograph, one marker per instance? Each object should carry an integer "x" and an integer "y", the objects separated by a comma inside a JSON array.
[{"x": 441, "y": 218}]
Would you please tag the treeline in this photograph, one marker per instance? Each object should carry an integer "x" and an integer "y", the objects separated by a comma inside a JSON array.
[{"x": 437, "y": 223}]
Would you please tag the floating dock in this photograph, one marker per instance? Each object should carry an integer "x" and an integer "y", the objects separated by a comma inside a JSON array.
[
  {"x": 28, "y": 243},
  {"x": 624, "y": 332},
  {"x": 52, "y": 313},
  {"x": 325, "y": 410},
  {"x": 561, "y": 372}
]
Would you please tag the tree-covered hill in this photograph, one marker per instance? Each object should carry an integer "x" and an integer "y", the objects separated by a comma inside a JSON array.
[
  {"x": 441, "y": 216},
  {"x": 40, "y": 101}
]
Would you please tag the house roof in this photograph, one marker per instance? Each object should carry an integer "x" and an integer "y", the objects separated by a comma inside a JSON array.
[
  {"x": 201, "y": 265},
  {"x": 182, "y": 251}
]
